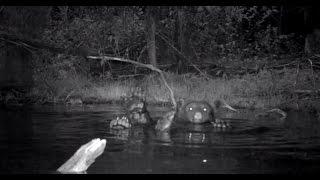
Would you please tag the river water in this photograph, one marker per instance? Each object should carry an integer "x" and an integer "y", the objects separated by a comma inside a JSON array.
[{"x": 40, "y": 139}]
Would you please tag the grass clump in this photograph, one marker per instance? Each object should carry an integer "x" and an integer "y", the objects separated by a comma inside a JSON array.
[{"x": 266, "y": 89}]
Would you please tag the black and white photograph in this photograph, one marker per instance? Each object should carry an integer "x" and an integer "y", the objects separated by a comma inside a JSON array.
[{"x": 225, "y": 89}]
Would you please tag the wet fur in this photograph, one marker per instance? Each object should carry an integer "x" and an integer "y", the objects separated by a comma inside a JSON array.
[
  {"x": 185, "y": 114},
  {"x": 137, "y": 111}
]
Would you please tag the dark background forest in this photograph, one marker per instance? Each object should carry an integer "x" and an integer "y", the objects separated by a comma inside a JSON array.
[{"x": 48, "y": 49}]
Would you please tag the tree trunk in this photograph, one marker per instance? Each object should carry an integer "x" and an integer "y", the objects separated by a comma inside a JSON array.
[
  {"x": 151, "y": 42},
  {"x": 307, "y": 46},
  {"x": 182, "y": 38},
  {"x": 282, "y": 20},
  {"x": 177, "y": 40},
  {"x": 312, "y": 33}
]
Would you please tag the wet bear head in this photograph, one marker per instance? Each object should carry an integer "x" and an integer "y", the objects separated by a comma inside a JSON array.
[{"x": 197, "y": 112}]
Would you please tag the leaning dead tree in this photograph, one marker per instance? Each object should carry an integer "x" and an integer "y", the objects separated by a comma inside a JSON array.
[
  {"x": 35, "y": 45},
  {"x": 149, "y": 66}
]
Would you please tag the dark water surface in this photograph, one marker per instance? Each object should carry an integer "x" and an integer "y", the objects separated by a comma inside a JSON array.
[{"x": 40, "y": 139}]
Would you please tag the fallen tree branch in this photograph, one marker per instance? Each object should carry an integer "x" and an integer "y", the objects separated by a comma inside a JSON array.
[
  {"x": 36, "y": 45},
  {"x": 149, "y": 66},
  {"x": 31, "y": 44}
]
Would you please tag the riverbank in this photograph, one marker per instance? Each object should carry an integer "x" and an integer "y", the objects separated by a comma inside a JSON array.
[{"x": 267, "y": 89}]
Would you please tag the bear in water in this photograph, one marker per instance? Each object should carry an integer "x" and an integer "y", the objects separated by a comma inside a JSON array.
[
  {"x": 199, "y": 112},
  {"x": 137, "y": 112},
  {"x": 196, "y": 112}
]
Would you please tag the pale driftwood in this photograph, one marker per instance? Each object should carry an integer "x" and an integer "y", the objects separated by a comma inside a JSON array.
[
  {"x": 149, "y": 66},
  {"x": 84, "y": 157}
]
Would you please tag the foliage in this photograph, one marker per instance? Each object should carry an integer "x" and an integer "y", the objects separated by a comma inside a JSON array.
[
  {"x": 28, "y": 21},
  {"x": 222, "y": 35},
  {"x": 239, "y": 32},
  {"x": 215, "y": 32}
]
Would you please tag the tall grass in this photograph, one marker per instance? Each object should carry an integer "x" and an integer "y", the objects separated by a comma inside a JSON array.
[{"x": 262, "y": 90}]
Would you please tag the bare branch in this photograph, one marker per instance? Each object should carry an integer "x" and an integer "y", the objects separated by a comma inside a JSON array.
[{"x": 149, "y": 66}]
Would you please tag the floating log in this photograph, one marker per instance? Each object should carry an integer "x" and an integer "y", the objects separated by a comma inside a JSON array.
[{"x": 84, "y": 157}]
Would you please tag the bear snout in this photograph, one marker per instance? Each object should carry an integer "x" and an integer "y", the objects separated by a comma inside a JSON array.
[{"x": 197, "y": 116}]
